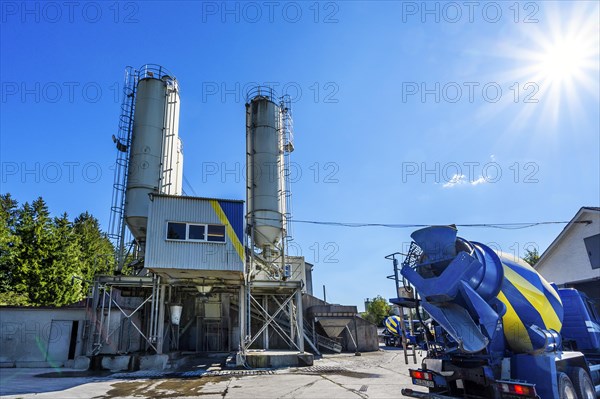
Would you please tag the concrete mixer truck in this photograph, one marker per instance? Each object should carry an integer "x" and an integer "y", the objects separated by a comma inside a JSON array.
[
  {"x": 500, "y": 329},
  {"x": 397, "y": 330}
]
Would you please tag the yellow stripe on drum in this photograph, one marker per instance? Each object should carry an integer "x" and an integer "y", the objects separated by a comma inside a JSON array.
[
  {"x": 536, "y": 298},
  {"x": 515, "y": 331},
  {"x": 390, "y": 325},
  {"x": 235, "y": 241},
  {"x": 528, "y": 269}
]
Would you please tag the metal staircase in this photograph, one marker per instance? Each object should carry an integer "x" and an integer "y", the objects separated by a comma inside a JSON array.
[
  {"x": 329, "y": 344},
  {"x": 320, "y": 341}
]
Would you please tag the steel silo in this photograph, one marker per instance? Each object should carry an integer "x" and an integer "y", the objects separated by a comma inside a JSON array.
[
  {"x": 265, "y": 169},
  {"x": 155, "y": 160}
]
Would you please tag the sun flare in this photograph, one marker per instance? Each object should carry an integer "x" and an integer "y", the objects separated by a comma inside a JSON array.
[
  {"x": 557, "y": 62},
  {"x": 563, "y": 60}
]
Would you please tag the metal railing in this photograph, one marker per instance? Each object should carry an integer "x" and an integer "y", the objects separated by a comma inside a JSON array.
[
  {"x": 262, "y": 91},
  {"x": 157, "y": 72}
]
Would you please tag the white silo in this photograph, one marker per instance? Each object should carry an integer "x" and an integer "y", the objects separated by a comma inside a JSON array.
[
  {"x": 265, "y": 170},
  {"x": 155, "y": 160},
  {"x": 174, "y": 170}
]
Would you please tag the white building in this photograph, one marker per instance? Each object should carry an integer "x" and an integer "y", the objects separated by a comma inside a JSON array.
[{"x": 573, "y": 258}]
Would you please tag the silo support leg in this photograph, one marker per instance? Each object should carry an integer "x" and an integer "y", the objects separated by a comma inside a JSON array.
[
  {"x": 299, "y": 321},
  {"x": 269, "y": 318},
  {"x": 161, "y": 320},
  {"x": 242, "y": 317},
  {"x": 265, "y": 305}
]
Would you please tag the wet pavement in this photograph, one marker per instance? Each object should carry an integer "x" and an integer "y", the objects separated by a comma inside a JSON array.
[{"x": 379, "y": 374}]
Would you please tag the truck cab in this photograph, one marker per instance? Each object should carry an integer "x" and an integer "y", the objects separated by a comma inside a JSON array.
[{"x": 581, "y": 324}]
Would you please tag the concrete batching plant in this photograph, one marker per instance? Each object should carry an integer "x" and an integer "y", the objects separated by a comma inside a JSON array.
[
  {"x": 193, "y": 259},
  {"x": 200, "y": 274}
]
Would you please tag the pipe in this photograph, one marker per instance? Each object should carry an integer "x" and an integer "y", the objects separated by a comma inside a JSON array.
[{"x": 299, "y": 320}]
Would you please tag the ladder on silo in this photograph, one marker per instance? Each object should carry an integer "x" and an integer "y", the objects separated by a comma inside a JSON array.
[
  {"x": 169, "y": 142},
  {"x": 116, "y": 227},
  {"x": 287, "y": 131}
]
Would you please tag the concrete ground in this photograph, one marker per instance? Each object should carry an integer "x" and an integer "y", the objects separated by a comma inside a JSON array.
[{"x": 373, "y": 375}]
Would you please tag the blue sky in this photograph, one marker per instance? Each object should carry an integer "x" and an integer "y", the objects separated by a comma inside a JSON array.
[{"x": 404, "y": 113}]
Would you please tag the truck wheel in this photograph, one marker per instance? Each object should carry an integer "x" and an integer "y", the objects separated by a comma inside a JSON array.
[
  {"x": 565, "y": 387},
  {"x": 582, "y": 383}
]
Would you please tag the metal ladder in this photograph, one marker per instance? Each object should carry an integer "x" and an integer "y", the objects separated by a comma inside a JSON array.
[
  {"x": 169, "y": 142},
  {"x": 287, "y": 138},
  {"x": 404, "y": 286},
  {"x": 116, "y": 227}
]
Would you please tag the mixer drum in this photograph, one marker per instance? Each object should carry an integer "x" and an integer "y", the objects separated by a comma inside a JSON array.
[{"x": 531, "y": 304}]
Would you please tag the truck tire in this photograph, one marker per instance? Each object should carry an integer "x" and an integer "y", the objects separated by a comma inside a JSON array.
[
  {"x": 582, "y": 383},
  {"x": 566, "y": 390}
]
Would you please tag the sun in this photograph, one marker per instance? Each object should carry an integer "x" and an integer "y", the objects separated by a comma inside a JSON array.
[
  {"x": 555, "y": 63},
  {"x": 565, "y": 60}
]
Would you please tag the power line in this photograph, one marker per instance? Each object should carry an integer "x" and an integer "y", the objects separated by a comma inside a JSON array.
[
  {"x": 507, "y": 226},
  {"x": 186, "y": 181}
]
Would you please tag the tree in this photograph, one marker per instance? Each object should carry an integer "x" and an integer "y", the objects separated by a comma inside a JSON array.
[
  {"x": 41, "y": 255},
  {"x": 97, "y": 252},
  {"x": 377, "y": 310},
  {"x": 532, "y": 256},
  {"x": 48, "y": 257},
  {"x": 33, "y": 228},
  {"x": 59, "y": 288},
  {"x": 9, "y": 252},
  {"x": 9, "y": 241}
]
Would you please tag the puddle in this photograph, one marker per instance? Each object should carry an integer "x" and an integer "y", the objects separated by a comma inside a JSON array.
[
  {"x": 173, "y": 388},
  {"x": 335, "y": 371},
  {"x": 74, "y": 374}
]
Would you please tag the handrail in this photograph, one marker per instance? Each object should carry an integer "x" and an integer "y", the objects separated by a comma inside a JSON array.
[
  {"x": 261, "y": 91},
  {"x": 155, "y": 71}
]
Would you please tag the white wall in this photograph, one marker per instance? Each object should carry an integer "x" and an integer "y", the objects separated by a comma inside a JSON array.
[
  {"x": 568, "y": 261},
  {"x": 28, "y": 337}
]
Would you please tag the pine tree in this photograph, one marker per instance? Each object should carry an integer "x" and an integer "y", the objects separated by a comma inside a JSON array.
[
  {"x": 46, "y": 261},
  {"x": 97, "y": 252},
  {"x": 9, "y": 251},
  {"x": 49, "y": 257},
  {"x": 34, "y": 229},
  {"x": 59, "y": 286}
]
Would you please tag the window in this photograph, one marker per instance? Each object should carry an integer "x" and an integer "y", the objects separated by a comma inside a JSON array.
[
  {"x": 216, "y": 233},
  {"x": 591, "y": 245},
  {"x": 175, "y": 231},
  {"x": 195, "y": 232}
]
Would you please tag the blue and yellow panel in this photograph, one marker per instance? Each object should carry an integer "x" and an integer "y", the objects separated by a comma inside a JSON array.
[{"x": 231, "y": 214}]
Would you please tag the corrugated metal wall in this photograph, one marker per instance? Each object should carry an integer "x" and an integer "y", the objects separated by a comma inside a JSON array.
[
  {"x": 161, "y": 253},
  {"x": 235, "y": 213}
]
